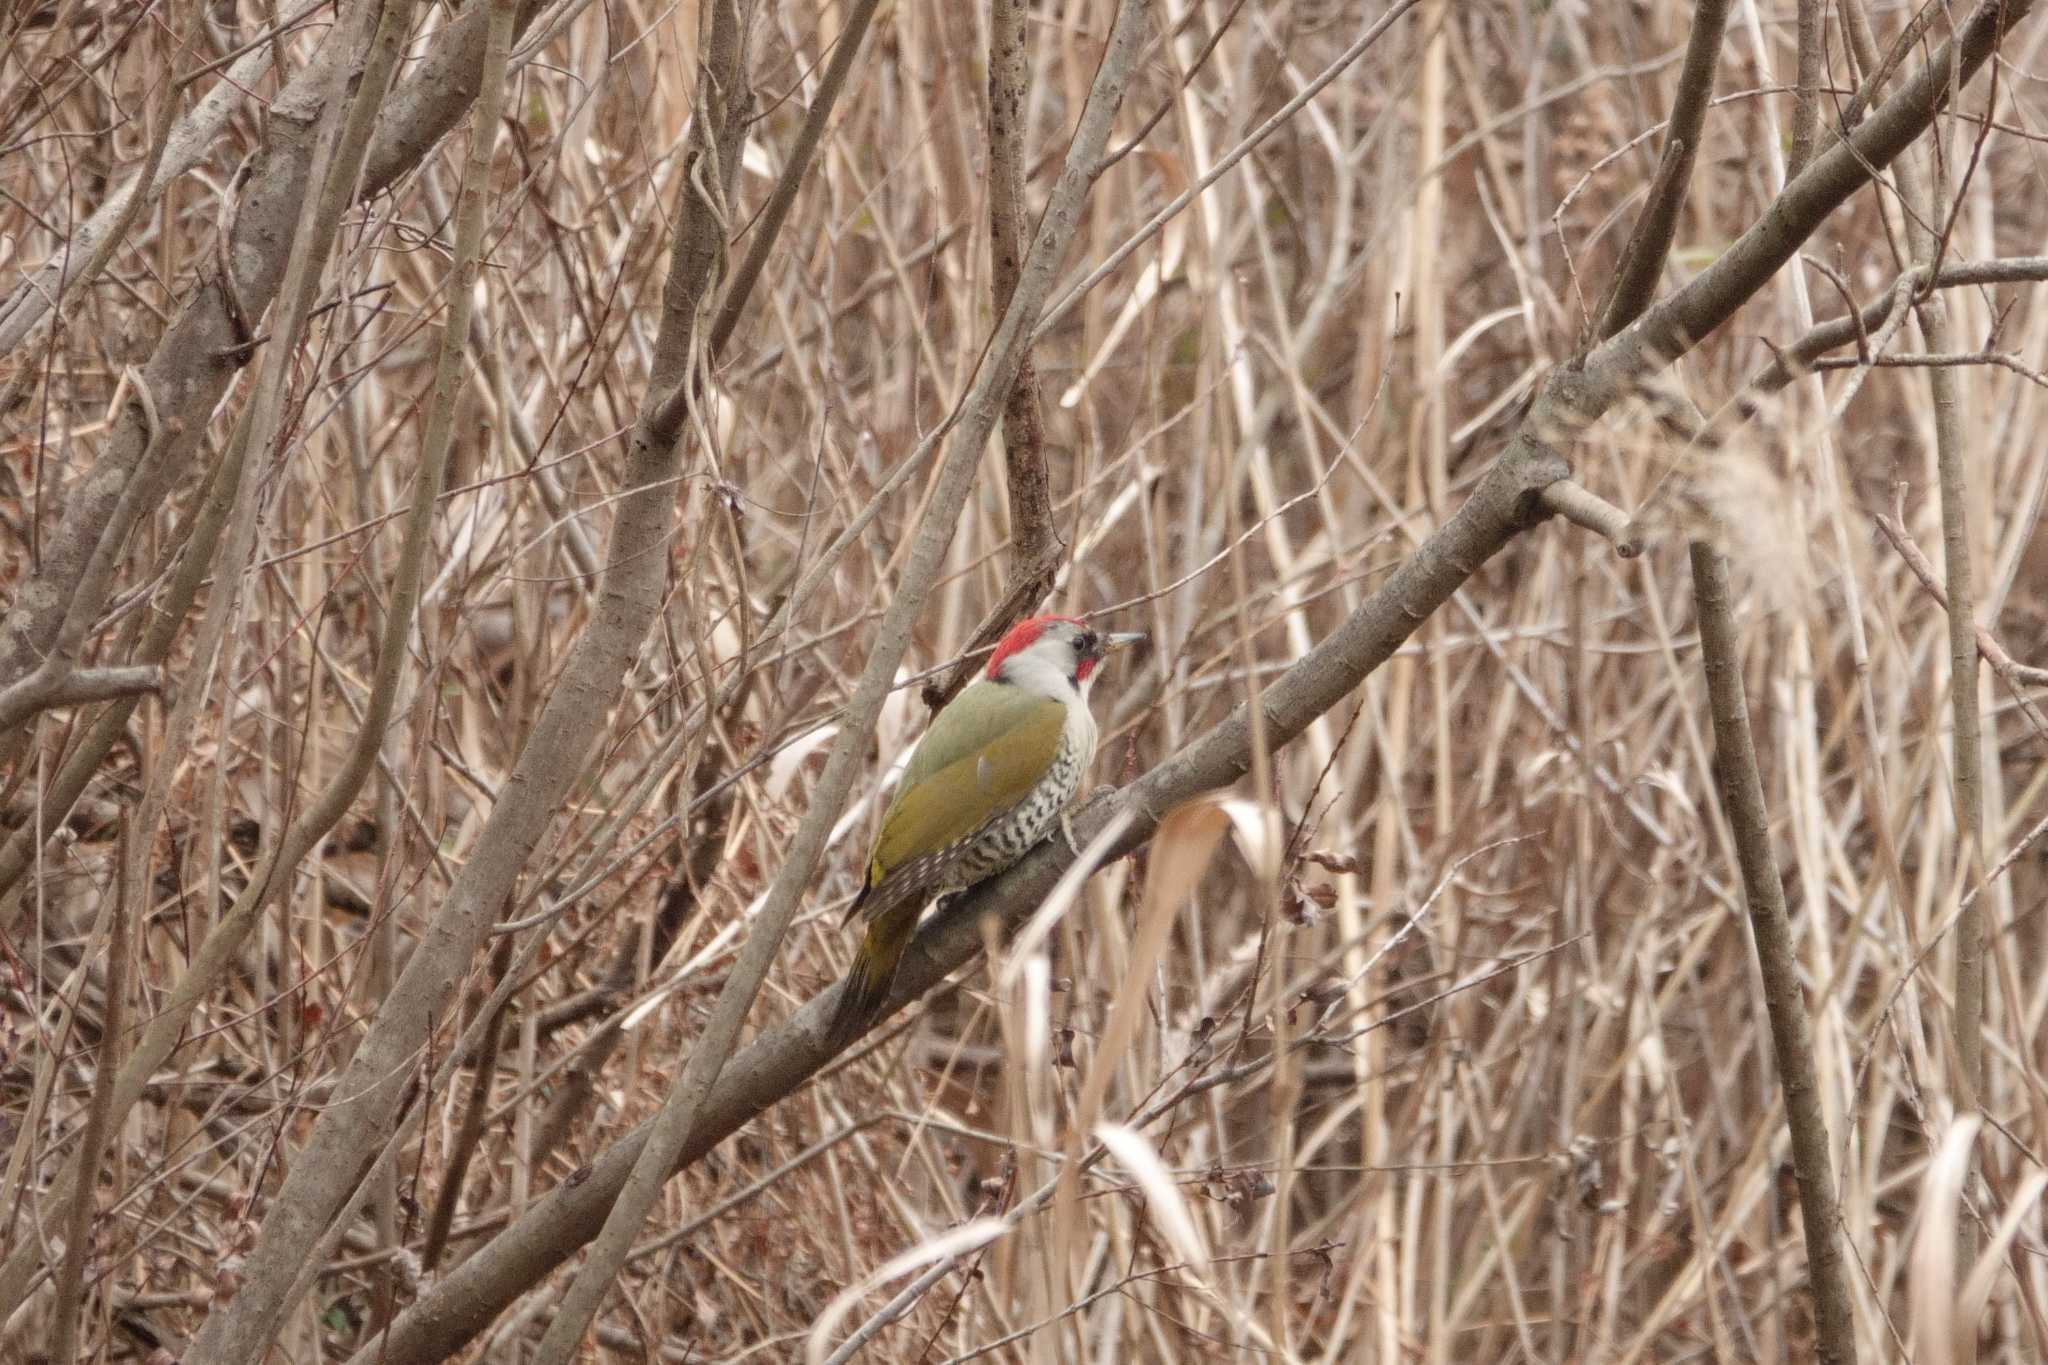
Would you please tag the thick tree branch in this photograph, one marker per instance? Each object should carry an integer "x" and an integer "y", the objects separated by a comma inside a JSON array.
[
  {"x": 72, "y": 778},
  {"x": 1034, "y": 541},
  {"x": 1711, "y": 297},
  {"x": 346, "y": 114},
  {"x": 181, "y": 147},
  {"x": 54, "y": 685},
  {"x": 1810, "y": 69},
  {"x": 376, "y": 1082}
]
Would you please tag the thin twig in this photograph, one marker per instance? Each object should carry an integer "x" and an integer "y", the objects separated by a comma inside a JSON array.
[
  {"x": 1035, "y": 546},
  {"x": 1642, "y": 260},
  {"x": 2016, "y": 675}
]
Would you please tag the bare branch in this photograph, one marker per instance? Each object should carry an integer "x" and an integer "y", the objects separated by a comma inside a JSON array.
[
  {"x": 78, "y": 1238},
  {"x": 1035, "y": 545},
  {"x": 1922, "y": 360},
  {"x": 208, "y": 342},
  {"x": 1583, "y": 508},
  {"x": 54, "y": 685},
  {"x": 1239, "y": 479},
  {"x": 794, "y": 171},
  {"x": 1742, "y": 799},
  {"x": 1922, "y": 195},
  {"x": 1642, "y": 260},
  {"x": 1811, "y": 68},
  {"x": 243, "y": 1328},
  {"x": 2016, "y": 675},
  {"x": 1711, "y": 297},
  {"x": 1826, "y": 336},
  {"x": 1067, "y": 302},
  {"x": 783, "y": 1057},
  {"x": 177, "y": 149}
]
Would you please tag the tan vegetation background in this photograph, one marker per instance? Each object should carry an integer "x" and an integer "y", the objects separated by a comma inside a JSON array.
[{"x": 1537, "y": 1115}]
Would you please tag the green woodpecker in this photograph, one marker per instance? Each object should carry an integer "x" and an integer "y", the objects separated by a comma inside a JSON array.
[{"x": 990, "y": 778}]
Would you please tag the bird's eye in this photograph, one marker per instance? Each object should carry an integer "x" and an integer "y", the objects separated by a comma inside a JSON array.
[{"x": 1085, "y": 642}]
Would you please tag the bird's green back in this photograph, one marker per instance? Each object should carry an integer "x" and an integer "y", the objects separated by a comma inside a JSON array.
[{"x": 982, "y": 755}]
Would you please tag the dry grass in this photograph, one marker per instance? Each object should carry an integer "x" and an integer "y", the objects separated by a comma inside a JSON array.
[{"x": 1533, "y": 1113}]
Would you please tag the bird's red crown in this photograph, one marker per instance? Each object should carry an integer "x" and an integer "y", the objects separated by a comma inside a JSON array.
[{"x": 1022, "y": 636}]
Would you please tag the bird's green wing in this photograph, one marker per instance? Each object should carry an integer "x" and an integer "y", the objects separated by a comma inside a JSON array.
[{"x": 960, "y": 778}]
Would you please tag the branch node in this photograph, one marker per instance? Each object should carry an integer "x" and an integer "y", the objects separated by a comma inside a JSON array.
[{"x": 1582, "y": 507}]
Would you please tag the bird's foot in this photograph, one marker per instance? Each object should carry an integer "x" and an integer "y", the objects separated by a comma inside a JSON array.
[{"x": 1067, "y": 832}]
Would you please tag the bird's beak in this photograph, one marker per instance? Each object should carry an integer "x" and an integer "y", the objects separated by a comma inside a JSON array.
[{"x": 1121, "y": 639}]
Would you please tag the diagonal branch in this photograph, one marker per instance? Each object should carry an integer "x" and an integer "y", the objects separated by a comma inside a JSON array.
[
  {"x": 2014, "y": 674},
  {"x": 776, "y": 211},
  {"x": 1711, "y": 297},
  {"x": 375, "y": 1086},
  {"x": 786, "y": 1056},
  {"x": 681, "y": 1114},
  {"x": 1642, "y": 260}
]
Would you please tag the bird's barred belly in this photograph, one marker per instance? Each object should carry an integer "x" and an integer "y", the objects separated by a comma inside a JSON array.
[{"x": 1016, "y": 834}]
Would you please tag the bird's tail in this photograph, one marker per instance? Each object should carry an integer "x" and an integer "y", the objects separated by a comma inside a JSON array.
[{"x": 873, "y": 971}]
